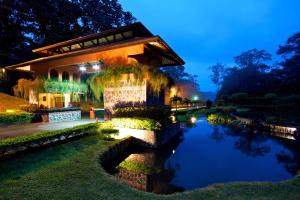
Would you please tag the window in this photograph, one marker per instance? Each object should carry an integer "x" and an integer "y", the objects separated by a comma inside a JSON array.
[
  {"x": 76, "y": 77},
  {"x": 65, "y": 76},
  {"x": 53, "y": 74}
]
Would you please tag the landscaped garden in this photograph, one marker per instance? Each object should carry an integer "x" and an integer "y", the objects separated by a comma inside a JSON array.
[
  {"x": 73, "y": 170},
  {"x": 94, "y": 105}
]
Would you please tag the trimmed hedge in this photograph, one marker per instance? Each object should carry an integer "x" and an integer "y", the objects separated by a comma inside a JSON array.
[
  {"x": 158, "y": 114},
  {"x": 87, "y": 129},
  {"x": 217, "y": 119},
  {"x": 136, "y": 123},
  {"x": 137, "y": 167},
  {"x": 18, "y": 117}
]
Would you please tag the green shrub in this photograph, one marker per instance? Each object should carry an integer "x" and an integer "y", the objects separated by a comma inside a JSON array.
[
  {"x": 239, "y": 96},
  {"x": 137, "y": 167},
  {"x": 158, "y": 114},
  {"x": 136, "y": 123},
  {"x": 219, "y": 119},
  {"x": 226, "y": 109},
  {"x": 271, "y": 96},
  {"x": 87, "y": 129},
  {"x": 17, "y": 117},
  {"x": 274, "y": 120},
  {"x": 292, "y": 99}
]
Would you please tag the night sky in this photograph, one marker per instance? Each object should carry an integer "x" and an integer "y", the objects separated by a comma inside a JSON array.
[{"x": 205, "y": 32}]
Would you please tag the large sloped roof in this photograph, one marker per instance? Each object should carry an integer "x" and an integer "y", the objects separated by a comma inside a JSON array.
[{"x": 124, "y": 36}]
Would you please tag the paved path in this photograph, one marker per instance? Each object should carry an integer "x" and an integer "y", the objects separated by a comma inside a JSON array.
[{"x": 27, "y": 129}]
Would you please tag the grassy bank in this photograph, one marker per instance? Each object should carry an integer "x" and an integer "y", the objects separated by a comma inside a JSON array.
[
  {"x": 72, "y": 171},
  {"x": 8, "y": 102}
]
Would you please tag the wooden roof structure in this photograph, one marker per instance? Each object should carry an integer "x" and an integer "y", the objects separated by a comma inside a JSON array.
[{"x": 124, "y": 36}]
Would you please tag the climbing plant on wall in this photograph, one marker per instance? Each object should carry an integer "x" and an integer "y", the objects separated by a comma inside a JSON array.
[{"x": 137, "y": 73}]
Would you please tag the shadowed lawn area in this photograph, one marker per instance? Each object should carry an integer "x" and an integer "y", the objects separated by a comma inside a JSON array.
[{"x": 72, "y": 171}]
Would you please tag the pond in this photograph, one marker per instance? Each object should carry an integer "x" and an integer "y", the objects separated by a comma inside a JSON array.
[{"x": 206, "y": 154}]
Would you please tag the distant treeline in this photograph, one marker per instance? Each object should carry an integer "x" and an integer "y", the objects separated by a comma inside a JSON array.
[{"x": 254, "y": 76}]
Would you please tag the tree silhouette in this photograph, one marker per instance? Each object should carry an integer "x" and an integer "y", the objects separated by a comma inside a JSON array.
[
  {"x": 216, "y": 77},
  {"x": 27, "y": 24}
]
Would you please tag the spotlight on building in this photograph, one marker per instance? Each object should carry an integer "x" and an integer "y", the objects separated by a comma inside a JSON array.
[
  {"x": 96, "y": 66},
  {"x": 82, "y": 68}
]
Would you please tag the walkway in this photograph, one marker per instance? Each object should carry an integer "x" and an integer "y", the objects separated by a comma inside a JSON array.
[{"x": 27, "y": 129}]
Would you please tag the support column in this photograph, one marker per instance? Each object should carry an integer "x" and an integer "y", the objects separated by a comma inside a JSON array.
[{"x": 60, "y": 76}]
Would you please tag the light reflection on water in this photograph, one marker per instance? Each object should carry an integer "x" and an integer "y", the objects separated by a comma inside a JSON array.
[{"x": 207, "y": 154}]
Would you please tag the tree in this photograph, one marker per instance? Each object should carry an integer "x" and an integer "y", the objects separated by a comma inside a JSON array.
[
  {"x": 181, "y": 78},
  {"x": 216, "y": 77},
  {"x": 290, "y": 72},
  {"x": 253, "y": 58},
  {"x": 175, "y": 99},
  {"x": 28, "y": 24},
  {"x": 250, "y": 74}
]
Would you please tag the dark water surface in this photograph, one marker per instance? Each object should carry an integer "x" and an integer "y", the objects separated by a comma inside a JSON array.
[{"x": 207, "y": 154}]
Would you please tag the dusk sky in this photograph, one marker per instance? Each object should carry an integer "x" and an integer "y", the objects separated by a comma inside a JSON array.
[{"x": 204, "y": 32}]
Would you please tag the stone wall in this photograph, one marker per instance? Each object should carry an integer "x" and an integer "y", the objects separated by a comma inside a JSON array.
[
  {"x": 126, "y": 91},
  {"x": 62, "y": 116},
  {"x": 136, "y": 180}
]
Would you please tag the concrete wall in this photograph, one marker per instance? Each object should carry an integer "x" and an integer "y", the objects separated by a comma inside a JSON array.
[{"x": 152, "y": 139}]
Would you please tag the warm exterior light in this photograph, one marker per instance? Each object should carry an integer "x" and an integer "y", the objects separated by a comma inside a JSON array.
[
  {"x": 10, "y": 111},
  {"x": 193, "y": 120},
  {"x": 3, "y": 70},
  {"x": 173, "y": 118},
  {"x": 96, "y": 66},
  {"x": 82, "y": 68}
]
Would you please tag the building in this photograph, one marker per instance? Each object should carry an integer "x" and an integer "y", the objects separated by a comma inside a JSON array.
[{"x": 68, "y": 60}]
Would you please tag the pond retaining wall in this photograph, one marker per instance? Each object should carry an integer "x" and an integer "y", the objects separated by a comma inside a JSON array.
[
  {"x": 152, "y": 139},
  {"x": 284, "y": 131}
]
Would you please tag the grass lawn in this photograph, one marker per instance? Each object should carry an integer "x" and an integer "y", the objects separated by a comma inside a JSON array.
[
  {"x": 10, "y": 102},
  {"x": 72, "y": 171}
]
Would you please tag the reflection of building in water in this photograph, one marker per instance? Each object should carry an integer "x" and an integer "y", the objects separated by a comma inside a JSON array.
[{"x": 156, "y": 178}]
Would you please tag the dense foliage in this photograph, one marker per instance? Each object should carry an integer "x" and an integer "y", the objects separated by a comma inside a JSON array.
[
  {"x": 111, "y": 76},
  {"x": 137, "y": 167},
  {"x": 40, "y": 85},
  {"x": 136, "y": 123},
  {"x": 155, "y": 113},
  {"x": 254, "y": 74},
  {"x": 27, "y": 24},
  {"x": 216, "y": 119},
  {"x": 53, "y": 86},
  {"x": 16, "y": 117}
]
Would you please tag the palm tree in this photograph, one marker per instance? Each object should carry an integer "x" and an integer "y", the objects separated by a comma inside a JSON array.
[
  {"x": 175, "y": 99},
  {"x": 187, "y": 101}
]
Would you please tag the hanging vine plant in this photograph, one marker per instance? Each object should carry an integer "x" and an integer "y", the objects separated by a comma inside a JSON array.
[
  {"x": 136, "y": 73},
  {"x": 40, "y": 85},
  {"x": 53, "y": 86}
]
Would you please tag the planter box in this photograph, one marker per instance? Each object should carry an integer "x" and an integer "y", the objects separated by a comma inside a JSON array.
[
  {"x": 60, "y": 116},
  {"x": 148, "y": 138}
]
